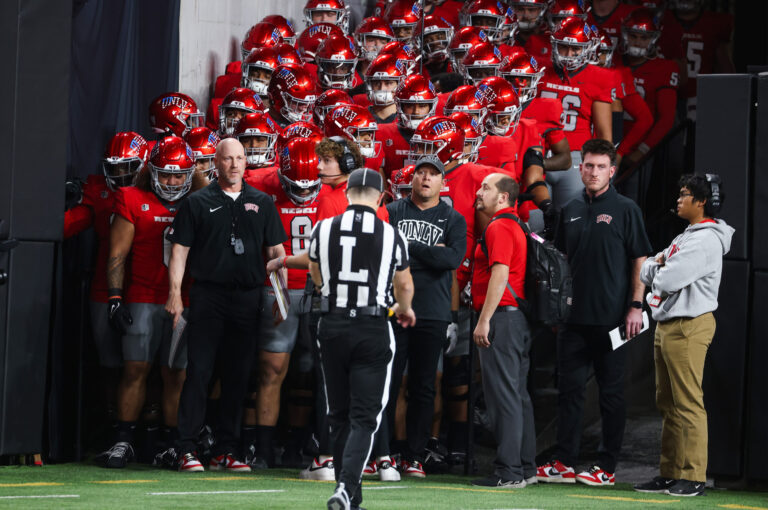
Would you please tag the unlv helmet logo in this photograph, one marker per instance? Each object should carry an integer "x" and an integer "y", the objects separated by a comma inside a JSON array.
[
  {"x": 173, "y": 100},
  {"x": 444, "y": 127},
  {"x": 288, "y": 76}
]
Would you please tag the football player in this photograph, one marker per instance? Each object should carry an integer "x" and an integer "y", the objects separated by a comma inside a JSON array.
[
  {"x": 236, "y": 105},
  {"x": 403, "y": 16},
  {"x": 326, "y": 102},
  {"x": 355, "y": 123},
  {"x": 371, "y": 35},
  {"x": 258, "y": 134},
  {"x": 174, "y": 114},
  {"x": 382, "y": 78},
  {"x": 327, "y": 11},
  {"x": 433, "y": 38},
  {"x": 532, "y": 30},
  {"x": 336, "y": 60},
  {"x": 292, "y": 94},
  {"x": 607, "y": 15},
  {"x": 203, "y": 143}
]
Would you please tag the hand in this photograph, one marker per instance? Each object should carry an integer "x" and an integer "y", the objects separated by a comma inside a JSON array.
[
  {"x": 480, "y": 335},
  {"x": 452, "y": 335},
  {"x": 405, "y": 318},
  {"x": 661, "y": 259},
  {"x": 275, "y": 264},
  {"x": 119, "y": 316},
  {"x": 175, "y": 307},
  {"x": 633, "y": 322},
  {"x": 276, "y": 315},
  {"x": 633, "y": 158}
]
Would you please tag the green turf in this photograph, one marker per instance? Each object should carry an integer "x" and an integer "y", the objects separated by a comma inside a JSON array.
[{"x": 435, "y": 492}]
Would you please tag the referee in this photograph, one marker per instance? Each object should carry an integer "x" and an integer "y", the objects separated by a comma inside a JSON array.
[
  {"x": 222, "y": 229},
  {"x": 355, "y": 258}
]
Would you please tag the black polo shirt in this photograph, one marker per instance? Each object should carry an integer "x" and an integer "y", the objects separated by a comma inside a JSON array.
[
  {"x": 601, "y": 236},
  {"x": 205, "y": 224}
]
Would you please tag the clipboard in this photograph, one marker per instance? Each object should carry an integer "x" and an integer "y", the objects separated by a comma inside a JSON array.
[
  {"x": 619, "y": 335},
  {"x": 281, "y": 292}
]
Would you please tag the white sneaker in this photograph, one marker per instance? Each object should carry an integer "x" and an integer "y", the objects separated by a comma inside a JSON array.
[
  {"x": 387, "y": 470},
  {"x": 339, "y": 500},
  {"x": 319, "y": 470}
]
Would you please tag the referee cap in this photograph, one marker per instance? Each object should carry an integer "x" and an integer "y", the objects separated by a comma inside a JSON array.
[{"x": 365, "y": 177}]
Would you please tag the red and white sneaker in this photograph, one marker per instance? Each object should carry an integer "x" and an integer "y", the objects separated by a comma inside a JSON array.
[
  {"x": 318, "y": 470},
  {"x": 555, "y": 472},
  {"x": 387, "y": 470},
  {"x": 596, "y": 476},
  {"x": 189, "y": 464},
  {"x": 412, "y": 468},
  {"x": 227, "y": 462},
  {"x": 371, "y": 469}
]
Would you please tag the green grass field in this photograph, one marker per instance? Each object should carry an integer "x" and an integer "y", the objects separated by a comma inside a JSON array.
[{"x": 89, "y": 486}]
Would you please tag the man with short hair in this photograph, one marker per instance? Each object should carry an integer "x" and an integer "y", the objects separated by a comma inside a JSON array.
[
  {"x": 684, "y": 280},
  {"x": 502, "y": 334},
  {"x": 603, "y": 236}
]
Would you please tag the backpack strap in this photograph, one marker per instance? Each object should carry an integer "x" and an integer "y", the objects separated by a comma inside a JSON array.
[{"x": 484, "y": 246}]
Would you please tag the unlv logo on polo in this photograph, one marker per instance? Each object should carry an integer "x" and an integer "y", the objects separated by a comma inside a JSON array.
[{"x": 604, "y": 218}]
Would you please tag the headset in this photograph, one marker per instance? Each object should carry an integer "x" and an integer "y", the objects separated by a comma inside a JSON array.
[
  {"x": 347, "y": 161},
  {"x": 716, "y": 196}
]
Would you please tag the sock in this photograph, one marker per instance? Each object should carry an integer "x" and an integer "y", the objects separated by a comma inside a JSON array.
[
  {"x": 457, "y": 436},
  {"x": 247, "y": 437},
  {"x": 125, "y": 431},
  {"x": 265, "y": 435}
]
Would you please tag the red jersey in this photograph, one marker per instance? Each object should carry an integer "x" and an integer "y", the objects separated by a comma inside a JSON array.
[
  {"x": 695, "y": 42},
  {"x": 150, "y": 251},
  {"x": 449, "y": 11},
  {"x": 94, "y": 209},
  {"x": 226, "y": 82},
  {"x": 332, "y": 201},
  {"x": 298, "y": 221},
  {"x": 362, "y": 100},
  {"x": 506, "y": 245},
  {"x": 548, "y": 114},
  {"x": 576, "y": 92},
  {"x": 539, "y": 46},
  {"x": 506, "y": 152},
  {"x": 395, "y": 144},
  {"x": 442, "y": 98},
  {"x": 656, "y": 80},
  {"x": 611, "y": 23},
  {"x": 264, "y": 179},
  {"x": 459, "y": 188}
]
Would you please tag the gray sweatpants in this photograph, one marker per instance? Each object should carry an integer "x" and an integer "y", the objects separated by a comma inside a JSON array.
[
  {"x": 565, "y": 185},
  {"x": 505, "y": 372}
]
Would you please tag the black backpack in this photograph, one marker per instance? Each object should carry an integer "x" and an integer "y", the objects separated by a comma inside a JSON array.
[{"x": 548, "y": 282}]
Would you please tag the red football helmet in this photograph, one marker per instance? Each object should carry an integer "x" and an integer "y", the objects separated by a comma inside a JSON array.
[
  {"x": 287, "y": 54},
  {"x": 298, "y": 170},
  {"x": 258, "y": 67},
  {"x": 466, "y": 99},
  {"x": 203, "y": 143},
  {"x": 284, "y": 26},
  {"x": 503, "y": 105},
  {"x": 438, "y": 137},
  {"x": 640, "y": 31},
  {"x": 174, "y": 113},
  {"x": 686, "y": 5},
  {"x": 405, "y": 53},
  {"x": 522, "y": 71},
  {"x": 236, "y": 105},
  {"x": 602, "y": 55},
  {"x": 126, "y": 154},
  {"x": 292, "y": 92},
  {"x": 530, "y": 13},
  {"x": 562, "y": 9},
  {"x": 575, "y": 33},
  {"x": 481, "y": 61},
  {"x": 258, "y": 134},
  {"x": 382, "y": 78},
  {"x": 463, "y": 41},
  {"x": 490, "y": 15},
  {"x": 329, "y": 11},
  {"x": 171, "y": 155},
  {"x": 326, "y": 102},
  {"x": 336, "y": 60},
  {"x": 437, "y": 35},
  {"x": 356, "y": 123},
  {"x": 258, "y": 36},
  {"x": 473, "y": 135},
  {"x": 414, "y": 92},
  {"x": 298, "y": 130},
  {"x": 403, "y": 15},
  {"x": 401, "y": 182},
  {"x": 312, "y": 36},
  {"x": 371, "y": 35}
]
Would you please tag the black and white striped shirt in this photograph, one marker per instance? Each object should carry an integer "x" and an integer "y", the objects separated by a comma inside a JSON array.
[{"x": 358, "y": 255}]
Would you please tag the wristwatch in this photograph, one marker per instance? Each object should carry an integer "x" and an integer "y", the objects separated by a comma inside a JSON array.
[{"x": 636, "y": 304}]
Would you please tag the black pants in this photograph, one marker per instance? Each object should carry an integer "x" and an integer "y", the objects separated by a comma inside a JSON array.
[
  {"x": 579, "y": 348},
  {"x": 222, "y": 328},
  {"x": 420, "y": 347},
  {"x": 356, "y": 357}
]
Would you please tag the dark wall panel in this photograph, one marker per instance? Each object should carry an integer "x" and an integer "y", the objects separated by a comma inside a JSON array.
[
  {"x": 760, "y": 187},
  {"x": 757, "y": 396}
]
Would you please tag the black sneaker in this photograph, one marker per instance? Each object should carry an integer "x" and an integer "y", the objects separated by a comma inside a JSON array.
[
  {"x": 499, "y": 483},
  {"x": 657, "y": 485},
  {"x": 118, "y": 456},
  {"x": 686, "y": 488},
  {"x": 168, "y": 459}
]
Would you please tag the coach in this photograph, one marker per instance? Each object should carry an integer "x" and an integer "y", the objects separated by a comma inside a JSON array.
[
  {"x": 222, "y": 229},
  {"x": 603, "y": 235},
  {"x": 355, "y": 258}
]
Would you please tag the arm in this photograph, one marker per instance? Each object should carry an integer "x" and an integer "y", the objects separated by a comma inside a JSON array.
[
  {"x": 120, "y": 242},
  {"x": 649, "y": 268},
  {"x": 636, "y": 106},
  {"x": 77, "y": 219},
  {"x": 634, "y": 319},
  {"x": 446, "y": 256},
  {"x": 175, "y": 306},
  {"x": 314, "y": 272},
  {"x": 723, "y": 61},
  {"x": 496, "y": 286},
  {"x": 403, "y": 290},
  {"x": 275, "y": 252},
  {"x": 602, "y": 121},
  {"x": 689, "y": 264},
  {"x": 561, "y": 157},
  {"x": 300, "y": 261}
]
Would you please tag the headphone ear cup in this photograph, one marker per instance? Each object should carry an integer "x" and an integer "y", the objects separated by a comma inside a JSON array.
[{"x": 348, "y": 162}]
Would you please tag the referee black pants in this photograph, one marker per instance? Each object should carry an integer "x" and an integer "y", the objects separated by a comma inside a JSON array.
[
  {"x": 222, "y": 329},
  {"x": 356, "y": 358}
]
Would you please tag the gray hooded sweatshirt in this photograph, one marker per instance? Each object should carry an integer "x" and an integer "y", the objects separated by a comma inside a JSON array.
[{"x": 687, "y": 284}]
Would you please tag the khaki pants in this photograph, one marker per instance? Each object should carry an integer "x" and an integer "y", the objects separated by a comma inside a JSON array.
[{"x": 680, "y": 348}]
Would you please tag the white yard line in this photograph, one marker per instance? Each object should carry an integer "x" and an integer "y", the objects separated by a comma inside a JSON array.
[
  {"x": 194, "y": 493},
  {"x": 42, "y": 496}
]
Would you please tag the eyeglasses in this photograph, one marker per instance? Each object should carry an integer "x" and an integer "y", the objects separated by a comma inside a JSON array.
[{"x": 684, "y": 194}]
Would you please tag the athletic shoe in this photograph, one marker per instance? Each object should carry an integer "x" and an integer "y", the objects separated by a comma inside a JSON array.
[
  {"x": 531, "y": 480},
  {"x": 292, "y": 457},
  {"x": 596, "y": 477},
  {"x": 657, "y": 485},
  {"x": 118, "y": 456},
  {"x": 340, "y": 499},
  {"x": 499, "y": 483},
  {"x": 319, "y": 471},
  {"x": 555, "y": 472},
  {"x": 387, "y": 471},
  {"x": 228, "y": 462},
  {"x": 370, "y": 469},
  {"x": 686, "y": 488},
  {"x": 190, "y": 464},
  {"x": 412, "y": 468},
  {"x": 167, "y": 459}
]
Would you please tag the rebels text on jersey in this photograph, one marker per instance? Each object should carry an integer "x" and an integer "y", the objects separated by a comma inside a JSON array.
[{"x": 150, "y": 251}]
